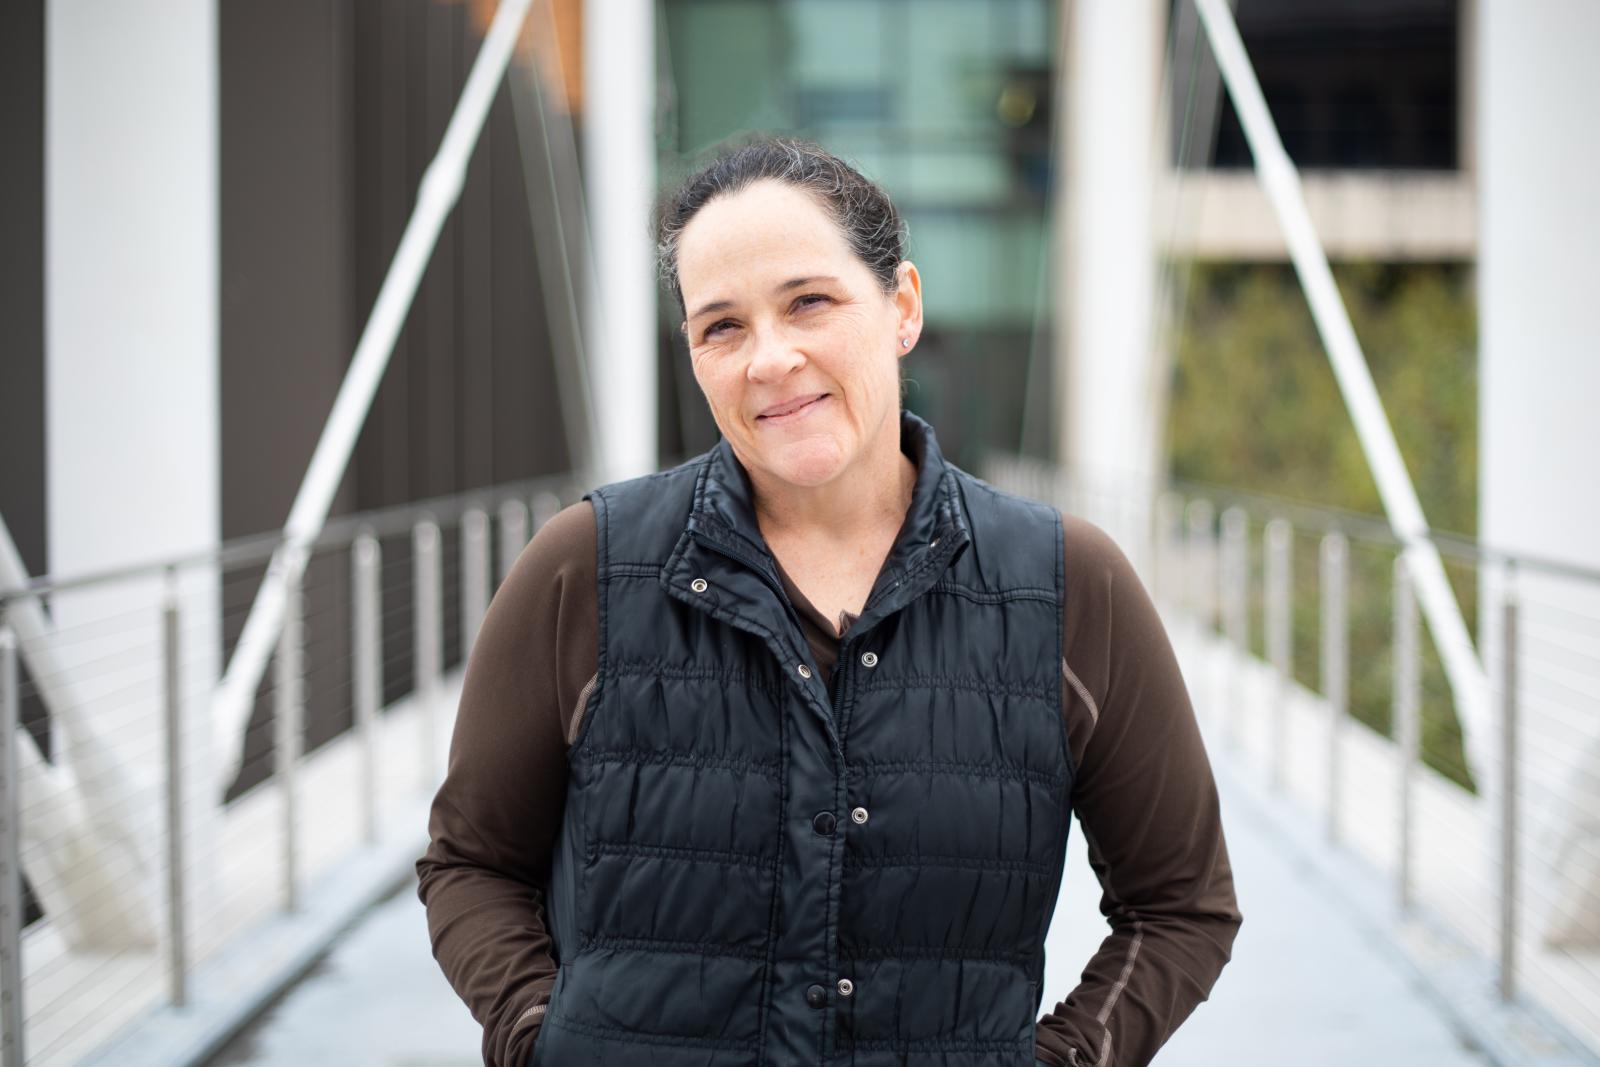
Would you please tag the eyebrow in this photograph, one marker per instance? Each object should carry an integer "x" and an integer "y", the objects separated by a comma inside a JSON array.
[{"x": 792, "y": 283}]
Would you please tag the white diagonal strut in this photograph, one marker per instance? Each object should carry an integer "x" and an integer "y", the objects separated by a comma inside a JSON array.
[
  {"x": 436, "y": 196},
  {"x": 1281, "y": 181}
]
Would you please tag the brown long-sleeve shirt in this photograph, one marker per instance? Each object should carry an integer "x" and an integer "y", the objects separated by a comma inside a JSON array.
[{"x": 1143, "y": 793}]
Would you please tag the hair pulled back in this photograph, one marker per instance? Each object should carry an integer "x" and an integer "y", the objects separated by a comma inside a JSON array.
[{"x": 863, "y": 212}]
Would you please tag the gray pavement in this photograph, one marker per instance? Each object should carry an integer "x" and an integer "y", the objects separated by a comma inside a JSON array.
[
  {"x": 1310, "y": 982},
  {"x": 377, "y": 999}
]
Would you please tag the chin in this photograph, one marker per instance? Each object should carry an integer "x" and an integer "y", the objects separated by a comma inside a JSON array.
[{"x": 810, "y": 462}]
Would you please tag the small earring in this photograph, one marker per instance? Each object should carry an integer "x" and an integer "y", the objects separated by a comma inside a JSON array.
[{"x": 905, "y": 342}]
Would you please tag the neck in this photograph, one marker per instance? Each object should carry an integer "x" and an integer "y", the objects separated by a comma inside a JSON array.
[{"x": 874, "y": 493}]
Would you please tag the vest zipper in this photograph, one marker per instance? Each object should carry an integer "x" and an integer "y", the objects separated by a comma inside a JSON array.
[{"x": 833, "y": 682}]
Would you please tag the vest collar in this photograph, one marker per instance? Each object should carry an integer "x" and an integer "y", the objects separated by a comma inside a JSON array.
[{"x": 723, "y": 519}]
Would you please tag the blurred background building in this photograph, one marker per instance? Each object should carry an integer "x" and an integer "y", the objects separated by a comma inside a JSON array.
[{"x": 203, "y": 202}]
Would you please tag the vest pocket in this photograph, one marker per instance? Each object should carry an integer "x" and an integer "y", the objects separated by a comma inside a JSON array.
[{"x": 645, "y": 995}]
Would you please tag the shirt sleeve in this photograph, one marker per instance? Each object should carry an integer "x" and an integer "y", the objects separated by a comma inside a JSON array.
[
  {"x": 1147, "y": 806},
  {"x": 494, "y": 821}
]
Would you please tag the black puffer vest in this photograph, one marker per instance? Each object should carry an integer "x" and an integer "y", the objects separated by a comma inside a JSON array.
[{"x": 756, "y": 868}]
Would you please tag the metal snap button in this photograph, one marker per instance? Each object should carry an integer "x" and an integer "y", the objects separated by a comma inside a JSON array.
[
  {"x": 816, "y": 996},
  {"x": 805, "y": 672},
  {"x": 846, "y": 987},
  {"x": 859, "y": 815},
  {"x": 869, "y": 659},
  {"x": 823, "y": 822},
  {"x": 698, "y": 585},
  {"x": 934, "y": 543}
]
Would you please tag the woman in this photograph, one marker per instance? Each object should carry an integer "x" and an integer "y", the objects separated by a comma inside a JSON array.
[{"x": 769, "y": 758}]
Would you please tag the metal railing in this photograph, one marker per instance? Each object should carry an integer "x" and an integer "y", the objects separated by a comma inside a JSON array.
[
  {"x": 1298, "y": 625},
  {"x": 121, "y": 871},
  {"x": 1299, "y": 630}
]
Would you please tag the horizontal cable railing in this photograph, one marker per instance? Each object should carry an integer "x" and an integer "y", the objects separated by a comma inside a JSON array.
[
  {"x": 1304, "y": 649},
  {"x": 124, "y": 872},
  {"x": 1301, "y": 642}
]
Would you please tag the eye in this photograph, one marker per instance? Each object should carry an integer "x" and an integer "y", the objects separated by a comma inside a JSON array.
[
  {"x": 810, "y": 300},
  {"x": 717, "y": 327}
]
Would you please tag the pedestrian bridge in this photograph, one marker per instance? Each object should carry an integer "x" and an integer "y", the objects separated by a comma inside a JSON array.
[
  {"x": 1394, "y": 913},
  {"x": 215, "y": 767}
]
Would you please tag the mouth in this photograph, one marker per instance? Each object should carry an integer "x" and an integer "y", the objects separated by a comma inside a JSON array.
[{"x": 790, "y": 409}]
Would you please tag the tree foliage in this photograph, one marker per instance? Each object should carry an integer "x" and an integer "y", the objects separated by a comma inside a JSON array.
[{"x": 1255, "y": 405}]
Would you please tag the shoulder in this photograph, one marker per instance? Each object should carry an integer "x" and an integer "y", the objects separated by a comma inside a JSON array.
[
  {"x": 1112, "y": 635},
  {"x": 565, "y": 538},
  {"x": 983, "y": 498},
  {"x": 635, "y": 514},
  {"x": 655, "y": 486},
  {"x": 1110, "y": 617},
  {"x": 1104, "y": 591},
  {"x": 1089, "y": 553},
  {"x": 560, "y": 559},
  {"x": 1016, "y": 540}
]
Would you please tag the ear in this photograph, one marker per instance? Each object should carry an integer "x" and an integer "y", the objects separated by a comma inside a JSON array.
[{"x": 908, "y": 306}]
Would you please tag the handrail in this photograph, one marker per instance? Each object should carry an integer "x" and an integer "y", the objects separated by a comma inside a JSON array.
[
  {"x": 1377, "y": 529},
  {"x": 342, "y": 530},
  {"x": 338, "y": 531},
  {"x": 1326, "y": 518}
]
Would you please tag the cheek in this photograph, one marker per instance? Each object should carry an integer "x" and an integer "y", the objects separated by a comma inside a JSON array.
[{"x": 718, "y": 379}]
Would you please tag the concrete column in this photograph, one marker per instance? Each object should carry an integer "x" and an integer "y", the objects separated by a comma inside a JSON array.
[
  {"x": 619, "y": 185},
  {"x": 131, "y": 393},
  {"x": 1112, "y": 379},
  {"x": 1538, "y": 151}
]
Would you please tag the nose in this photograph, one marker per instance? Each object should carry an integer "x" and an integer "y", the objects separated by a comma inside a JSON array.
[{"x": 773, "y": 357}]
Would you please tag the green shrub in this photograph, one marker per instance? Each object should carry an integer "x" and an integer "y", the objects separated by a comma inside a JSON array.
[{"x": 1255, "y": 405}]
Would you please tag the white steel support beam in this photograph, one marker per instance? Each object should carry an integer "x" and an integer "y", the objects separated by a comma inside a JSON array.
[
  {"x": 619, "y": 46},
  {"x": 1536, "y": 88},
  {"x": 1111, "y": 377},
  {"x": 1281, "y": 181},
  {"x": 131, "y": 446},
  {"x": 437, "y": 195}
]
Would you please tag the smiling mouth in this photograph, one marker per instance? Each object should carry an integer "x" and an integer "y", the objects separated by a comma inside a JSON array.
[{"x": 807, "y": 406}]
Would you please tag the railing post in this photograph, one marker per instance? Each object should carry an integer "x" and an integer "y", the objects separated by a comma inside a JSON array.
[
  {"x": 429, "y": 652},
  {"x": 11, "y": 1044},
  {"x": 288, "y": 709},
  {"x": 1201, "y": 552},
  {"x": 172, "y": 675},
  {"x": 1508, "y": 788},
  {"x": 1201, "y": 544},
  {"x": 1166, "y": 518},
  {"x": 474, "y": 576},
  {"x": 1236, "y": 613},
  {"x": 367, "y": 644},
  {"x": 1134, "y": 532},
  {"x": 513, "y": 534},
  {"x": 1334, "y": 580},
  {"x": 1279, "y": 613},
  {"x": 1407, "y": 682}
]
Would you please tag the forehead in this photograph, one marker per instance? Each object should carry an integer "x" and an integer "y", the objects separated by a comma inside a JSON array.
[{"x": 748, "y": 238}]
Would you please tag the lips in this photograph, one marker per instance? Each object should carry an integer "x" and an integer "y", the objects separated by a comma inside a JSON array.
[{"x": 789, "y": 407}]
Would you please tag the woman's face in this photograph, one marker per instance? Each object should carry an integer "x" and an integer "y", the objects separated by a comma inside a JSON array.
[{"x": 792, "y": 339}]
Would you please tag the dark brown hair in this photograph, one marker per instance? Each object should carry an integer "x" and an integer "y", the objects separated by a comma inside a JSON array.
[{"x": 866, "y": 217}]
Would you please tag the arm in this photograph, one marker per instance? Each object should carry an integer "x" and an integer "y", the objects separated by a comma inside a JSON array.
[
  {"x": 1147, "y": 805},
  {"x": 494, "y": 820}
]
